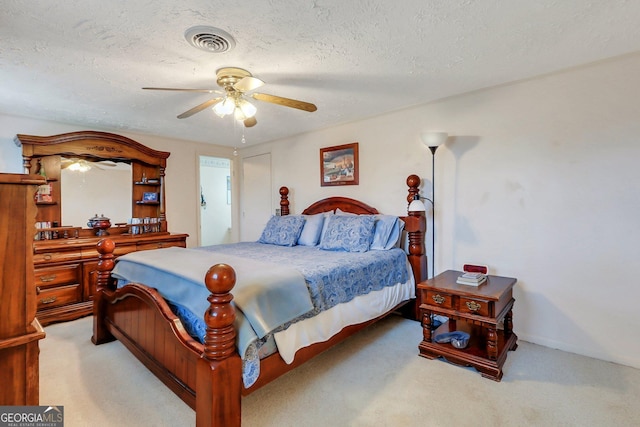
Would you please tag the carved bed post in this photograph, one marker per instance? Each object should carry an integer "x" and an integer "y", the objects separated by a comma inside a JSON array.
[
  {"x": 416, "y": 227},
  {"x": 284, "y": 201},
  {"x": 106, "y": 263},
  {"x": 219, "y": 370}
]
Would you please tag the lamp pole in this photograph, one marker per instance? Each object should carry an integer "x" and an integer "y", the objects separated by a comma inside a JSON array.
[
  {"x": 433, "y": 140},
  {"x": 433, "y": 149}
]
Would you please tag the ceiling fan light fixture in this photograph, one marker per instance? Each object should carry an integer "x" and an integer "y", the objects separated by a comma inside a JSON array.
[
  {"x": 79, "y": 166},
  {"x": 248, "y": 109},
  {"x": 239, "y": 115},
  {"x": 224, "y": 107}
]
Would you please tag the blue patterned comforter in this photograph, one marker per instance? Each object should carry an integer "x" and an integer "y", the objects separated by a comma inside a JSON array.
[{"x": 332, "y": 277}]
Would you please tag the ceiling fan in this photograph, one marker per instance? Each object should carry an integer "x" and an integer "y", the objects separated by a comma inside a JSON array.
[{"x": 238, "y": 85}]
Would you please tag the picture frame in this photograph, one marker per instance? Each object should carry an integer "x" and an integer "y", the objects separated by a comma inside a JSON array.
[
  {"x": 149, "y": 197},
  {"x": 339, "y": 165}
]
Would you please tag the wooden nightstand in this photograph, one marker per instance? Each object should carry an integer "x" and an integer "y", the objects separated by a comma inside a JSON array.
[{"x": 485, "y": 312}]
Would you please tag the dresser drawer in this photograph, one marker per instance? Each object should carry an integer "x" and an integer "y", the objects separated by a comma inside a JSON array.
[
  {"x": 439, "y": 299},
  {"x": 160, "y": 245},
  {"x": 91, "y": 253},
  {"x": 60, "y": 256},
  {"x": 59, "y": 275},
  {"x": 59, "y": 296},
  {"x": 474, "y": 306}
]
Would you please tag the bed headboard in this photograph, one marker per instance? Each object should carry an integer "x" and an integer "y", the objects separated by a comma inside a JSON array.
[
  {"x": 345, "y": 204},
  {"x": 415, "y": 224}
]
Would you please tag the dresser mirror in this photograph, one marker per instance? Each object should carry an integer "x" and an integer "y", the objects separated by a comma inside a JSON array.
[
  {"x": 82, "y": 184},
  {"x": 93, "y": 173}
]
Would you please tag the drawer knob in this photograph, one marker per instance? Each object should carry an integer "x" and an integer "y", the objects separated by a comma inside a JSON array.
[
  {"x": 49, "y": 278},
  {"x": 439, "y": 299},
  {"x": 473, "y": 306},
  {"x": 48, "y": 300},
  {"x": 47, "y": 257}
]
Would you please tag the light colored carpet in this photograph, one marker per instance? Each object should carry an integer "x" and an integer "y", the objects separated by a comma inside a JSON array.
[{"x": 375, "y": 378}]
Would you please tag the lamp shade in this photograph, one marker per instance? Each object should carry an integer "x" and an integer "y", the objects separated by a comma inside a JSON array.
[
  {"x": 434, "y": 139},
  {"x": 416, "y": 205}
]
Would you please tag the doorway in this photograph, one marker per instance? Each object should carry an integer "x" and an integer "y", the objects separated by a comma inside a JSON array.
[{"x": 215, "y": 200}]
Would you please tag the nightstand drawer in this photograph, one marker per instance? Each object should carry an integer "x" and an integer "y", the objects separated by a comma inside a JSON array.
[
  {"x": 474, "y": 306},
  {"x": 439, "y": 299},
  {"x": 59, "y": 296}
]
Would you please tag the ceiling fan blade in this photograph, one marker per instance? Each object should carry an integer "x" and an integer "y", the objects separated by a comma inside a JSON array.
[
  {"x": 198, "y": 108},
  {"x": 180, "y": 90},
  {"x": 286, "y": 102},
  {"x": 250, "y": 122},
  {"x": 247, "y": 84}
]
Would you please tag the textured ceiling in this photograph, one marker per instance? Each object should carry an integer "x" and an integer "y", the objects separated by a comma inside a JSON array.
[{"x": 84, "y": 62}]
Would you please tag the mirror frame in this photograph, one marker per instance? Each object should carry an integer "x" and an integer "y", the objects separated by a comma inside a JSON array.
[{"x": 94, "y": 145}]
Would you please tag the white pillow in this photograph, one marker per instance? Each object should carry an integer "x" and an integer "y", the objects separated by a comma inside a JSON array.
[
  {"x": 311, "y": 231},
  {"x": 341, "y": 212},
  {"x": 327, "y": 215},
  {"x": 387, "y": 232}
]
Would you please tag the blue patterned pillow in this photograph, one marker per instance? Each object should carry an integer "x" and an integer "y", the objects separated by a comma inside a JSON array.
[
  {"x": 282, "y": 230},
  {"x": 348, "y": 233}
]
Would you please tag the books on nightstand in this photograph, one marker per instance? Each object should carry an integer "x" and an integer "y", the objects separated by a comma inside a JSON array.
[{"x": 471, "y": 279}]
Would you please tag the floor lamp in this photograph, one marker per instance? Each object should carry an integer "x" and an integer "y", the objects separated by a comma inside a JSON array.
[{"x": 432, "y": 140}]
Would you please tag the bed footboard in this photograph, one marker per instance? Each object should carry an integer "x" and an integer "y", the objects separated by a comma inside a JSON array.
[{"x": 142, "y": 321}]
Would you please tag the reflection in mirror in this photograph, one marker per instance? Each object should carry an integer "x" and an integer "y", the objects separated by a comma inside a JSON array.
[{"x": 90, "y": 188}]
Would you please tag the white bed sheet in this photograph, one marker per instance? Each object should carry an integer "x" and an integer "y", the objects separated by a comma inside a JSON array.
[{"x": 326, "y": 324}]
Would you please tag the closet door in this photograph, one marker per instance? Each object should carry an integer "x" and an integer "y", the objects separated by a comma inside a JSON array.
[{"x": 257, "y": 196}]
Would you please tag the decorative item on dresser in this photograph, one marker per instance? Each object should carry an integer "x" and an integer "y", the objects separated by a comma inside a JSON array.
[
  {"x": 65, "y": 257},
  {"x": 20, "y": 331},
  {"x": 208, "y": 372}
]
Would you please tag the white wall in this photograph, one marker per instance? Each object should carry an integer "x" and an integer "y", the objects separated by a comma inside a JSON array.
[
  {"x": 539, "y": 181},
  {"x": 182, "y": 188}
]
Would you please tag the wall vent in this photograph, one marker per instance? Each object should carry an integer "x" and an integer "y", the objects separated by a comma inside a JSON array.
[{"x": 210, "y": 39}]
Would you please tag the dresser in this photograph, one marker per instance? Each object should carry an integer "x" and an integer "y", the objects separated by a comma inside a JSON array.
[
  {"x": 65, "y": 271},
  {"x": 20, "y": 331},
  {"x": 65, "y": 258}
]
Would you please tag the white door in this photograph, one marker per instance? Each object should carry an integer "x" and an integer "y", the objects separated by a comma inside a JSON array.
[{"x": 256, "y": 196}]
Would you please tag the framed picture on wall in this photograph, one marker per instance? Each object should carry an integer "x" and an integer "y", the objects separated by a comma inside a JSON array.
[{"x": 339, "y": 165}]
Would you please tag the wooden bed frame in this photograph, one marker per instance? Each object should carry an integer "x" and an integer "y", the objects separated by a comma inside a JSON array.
[{"x": 141, "y": 319}]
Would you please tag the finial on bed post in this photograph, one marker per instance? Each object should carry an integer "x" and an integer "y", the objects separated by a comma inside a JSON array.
[
  {"x": 413, "y": 181},
  {"x": 220, "y": 362},
  {"x": 105, "y": 248},
  {"x": 284, "y": 201}
]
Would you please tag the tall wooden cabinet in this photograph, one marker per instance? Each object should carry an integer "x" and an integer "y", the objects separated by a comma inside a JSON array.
[
  {"x": 20, "y": 331},
  {"x": 65, "y": 268}
]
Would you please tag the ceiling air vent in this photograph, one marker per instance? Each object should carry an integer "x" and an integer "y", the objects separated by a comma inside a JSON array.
[{"x": 211, "y": 39}]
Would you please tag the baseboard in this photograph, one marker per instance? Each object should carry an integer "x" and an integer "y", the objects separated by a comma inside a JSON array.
[{"x": 633, "y": 362}]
